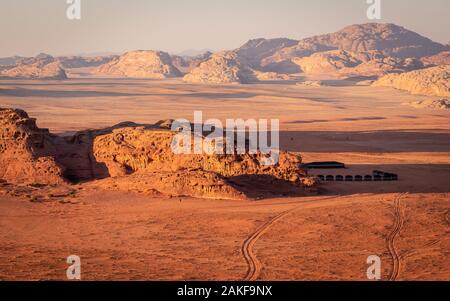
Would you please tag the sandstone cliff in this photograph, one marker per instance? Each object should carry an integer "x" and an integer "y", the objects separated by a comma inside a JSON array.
[
  {"x": 138, "y": 158},
  {"x": 27, "y": 153}
]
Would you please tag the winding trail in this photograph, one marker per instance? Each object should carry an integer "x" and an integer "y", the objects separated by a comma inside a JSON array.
[
  {"x": 399, "y": 220},
  {"x": 254, "y": 265}
]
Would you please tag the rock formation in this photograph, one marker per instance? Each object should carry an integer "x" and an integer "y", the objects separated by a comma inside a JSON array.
[
  {"x": 345, "y": 63},
  {"x": 142, "y": 149},
  {"x": 229, "y": 67},
  {"x": 359, "y": 50},
  {"x": 137, "y": 158},
  {"x": 27, "y": 153},
  {"x": 40, "y": 67},
  {"x": 327, "y": 62},
  {"x": 222, "y": 68},
  {"x": 141, "y": 64},
  {"x": 433, "y": 81}
]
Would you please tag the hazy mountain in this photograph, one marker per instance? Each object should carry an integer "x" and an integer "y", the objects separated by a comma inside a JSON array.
[
  {"x": 43, "y": 66},
  {"x": 141, "y": 63},
  {"x": 368, "y": 49},
  {"x": 390, "y": 39},
  {"x": 255, "y": 51},
  {"x": 10, "y": 61}
]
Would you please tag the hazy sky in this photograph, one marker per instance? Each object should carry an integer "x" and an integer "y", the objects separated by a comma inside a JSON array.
[{"x": 28, "y": 27}]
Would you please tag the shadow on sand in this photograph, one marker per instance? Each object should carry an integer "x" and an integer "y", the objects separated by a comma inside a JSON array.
[{"x": 384, "y": 141}]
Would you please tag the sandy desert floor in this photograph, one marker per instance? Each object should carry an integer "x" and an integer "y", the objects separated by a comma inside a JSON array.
[{"x": 329, "y": 236}]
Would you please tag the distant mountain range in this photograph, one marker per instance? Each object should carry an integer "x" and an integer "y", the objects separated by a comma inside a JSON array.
[{"x": 369, "y": 50}]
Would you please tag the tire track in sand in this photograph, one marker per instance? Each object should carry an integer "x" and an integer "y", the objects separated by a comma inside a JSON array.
[
  {"x": 399, "y": 220},
  {"x": 254, "y": 265}
]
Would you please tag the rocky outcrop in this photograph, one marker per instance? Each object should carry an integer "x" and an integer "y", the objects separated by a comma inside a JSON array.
[
  {"x": 229, "y": 67},
  {"x": 140, "y": 64},
  {"x": 347, "y": 64},
  {"x": 222, "y": 68},
  {"x": 40, "y": 67},
  {"x": 434, "y": 81},
  {"x": 140, "y": 149},
  {"x": 145, "y": 153},
  {"x": 327, "y": 62},
  {"x": 138, "y": 158},
  {"x": 27, "y": 153}
]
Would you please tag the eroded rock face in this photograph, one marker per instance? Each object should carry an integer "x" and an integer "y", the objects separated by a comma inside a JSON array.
[
  {"x": 222, "y": 68},
  {"x": 40, "y": 67},
  {"x": 138, "y": 158},
  {"x": 434, "y": 81},
  {"x": 229, "y": 67},
  {"x": 141, "y": 64},
  {"x": 26, "y": 151},
  {"x": 341, "y": 63},
  {"x": 327, "y": 62},
  {"x": 138, "y": 149}
]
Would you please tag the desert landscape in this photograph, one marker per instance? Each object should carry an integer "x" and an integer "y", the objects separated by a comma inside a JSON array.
[{"x": 87, "y": 169}]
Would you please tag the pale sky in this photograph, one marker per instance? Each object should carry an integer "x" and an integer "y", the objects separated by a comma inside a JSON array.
[{"x": 28, "y": 27}]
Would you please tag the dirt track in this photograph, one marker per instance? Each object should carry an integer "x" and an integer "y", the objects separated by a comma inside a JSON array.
[{"x": 399, "y": 221}]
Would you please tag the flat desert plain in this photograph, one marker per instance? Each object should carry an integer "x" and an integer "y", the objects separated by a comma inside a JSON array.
[{"x": 324, "y": 236}]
